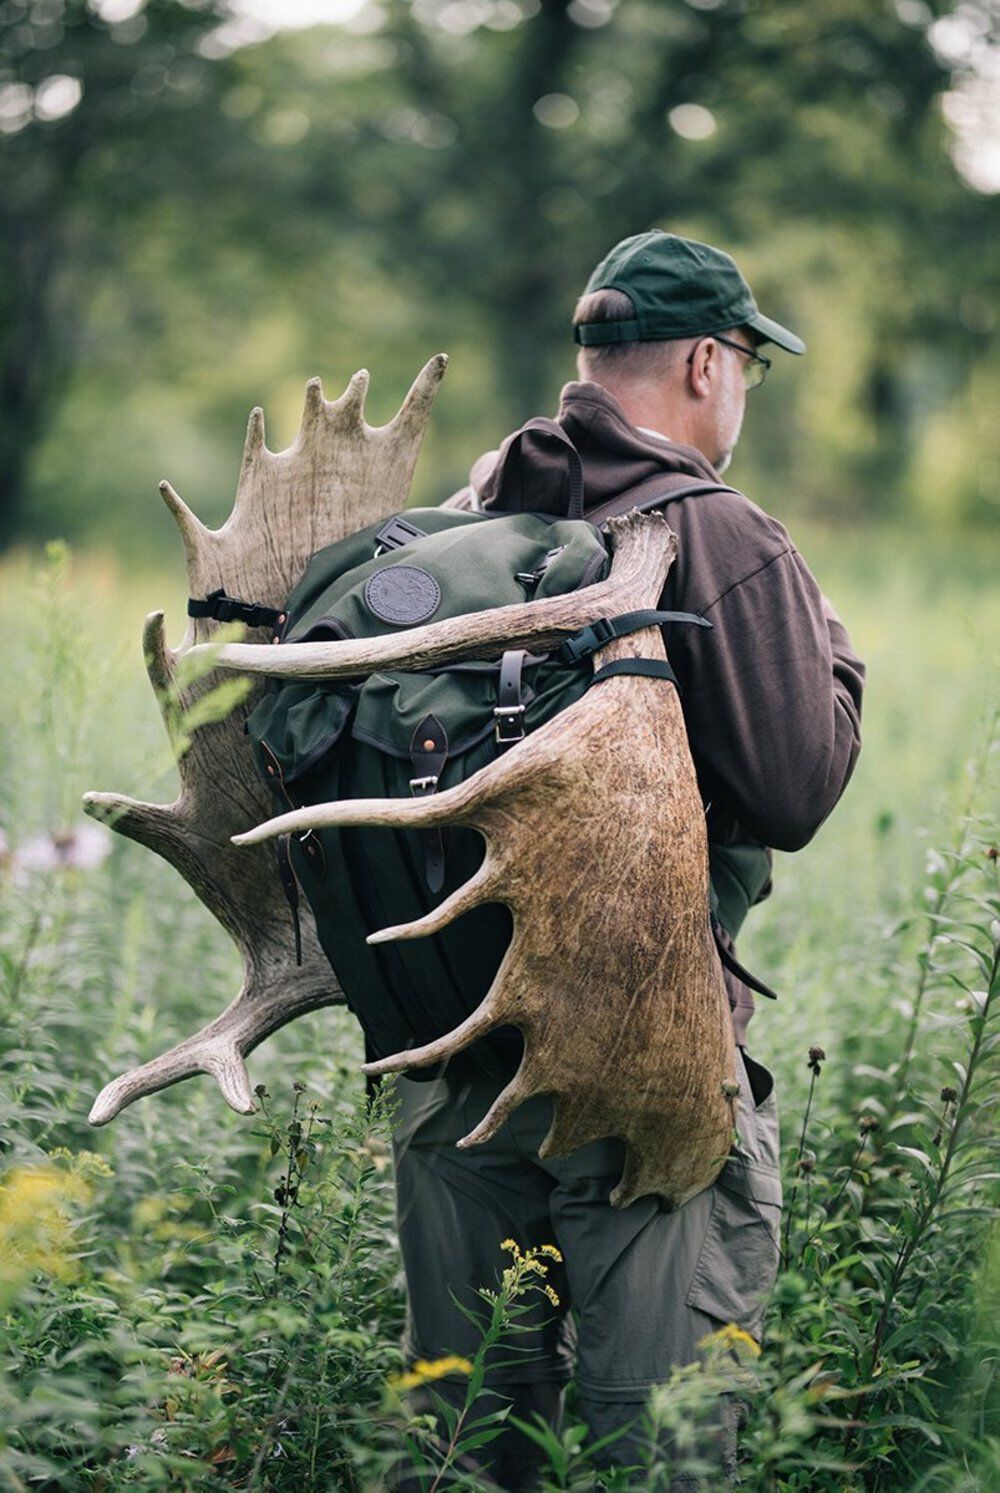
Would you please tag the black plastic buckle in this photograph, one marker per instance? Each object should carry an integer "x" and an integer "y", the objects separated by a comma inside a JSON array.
[
  {"x": 586, "y": 642},
  {"x": 395, "y": 534},
  {"x": 509, "y": 727},
  {"x": 420, "y": 787},
  {"x": 223, "y": 608},
  {"x": 532, "y": 577}
]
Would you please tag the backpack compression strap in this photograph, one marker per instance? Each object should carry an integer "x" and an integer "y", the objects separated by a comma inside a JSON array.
[
  {"x": 225, "y": 608},
  {"x": 734, "y": 966},
  {"x": 655, "y": 668},
  {"x": 589, "y": 639}
]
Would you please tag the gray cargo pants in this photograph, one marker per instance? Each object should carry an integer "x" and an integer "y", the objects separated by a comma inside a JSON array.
[{"x": 639, "y": 1287}]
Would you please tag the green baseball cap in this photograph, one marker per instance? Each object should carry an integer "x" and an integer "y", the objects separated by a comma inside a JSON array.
[{"x": 679, "y": 288}]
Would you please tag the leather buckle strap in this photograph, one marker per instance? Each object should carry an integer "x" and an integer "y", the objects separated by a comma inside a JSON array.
[
  {"x": 420, "y": 786},
  {"x": 290, "y": 887},
  {"x": 508, "y": 713},
  {"x": 429, "y": 750}
]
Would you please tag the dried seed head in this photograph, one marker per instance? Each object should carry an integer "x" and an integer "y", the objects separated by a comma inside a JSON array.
[
  {"x": 816, "y": 1056},
  {"x": 867, "y": 1124},
  {"x": 730, "y": 1090},
  {"x": 948, "y": 1095},
  {"x": 807, "y": 1163}
]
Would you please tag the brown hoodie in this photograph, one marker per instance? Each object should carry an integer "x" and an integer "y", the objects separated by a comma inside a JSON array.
[{"x": 772, "y": 693}]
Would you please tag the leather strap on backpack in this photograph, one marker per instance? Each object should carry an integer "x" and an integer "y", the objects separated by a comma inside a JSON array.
[
  {"x": 428, "y": 755},
  {"x": 508, "y": 713}
]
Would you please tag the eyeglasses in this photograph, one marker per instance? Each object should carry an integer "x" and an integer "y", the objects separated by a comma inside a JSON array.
[{"x": 754, "y": 371}]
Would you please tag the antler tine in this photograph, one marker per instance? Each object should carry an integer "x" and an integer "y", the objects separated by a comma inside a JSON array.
[
  {"x": 411, "y": 813},
  {"x": 255, "y": 443},
  {"x": 349, "y": 409},
  {"x": 413, "y": 413},
  {"x": 267, "y": 1001},
  {"x": 480, "y": 888},
  {"x": 314, "y": 405},
  {"x": 159, "y": 658},
  {"x": 199, "y": 1054},
  {"x": 482, "y": 1020},
  {"x": 194, "y": 535},
  {"x": 157, "y": 826},
  {"x": 499, "y": 1112}
]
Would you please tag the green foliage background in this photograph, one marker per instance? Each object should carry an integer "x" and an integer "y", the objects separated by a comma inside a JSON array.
[{"x": 215, "y": 221}]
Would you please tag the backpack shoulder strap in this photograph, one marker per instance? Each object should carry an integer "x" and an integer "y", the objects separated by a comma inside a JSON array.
[{"x": 667, "y": 491}]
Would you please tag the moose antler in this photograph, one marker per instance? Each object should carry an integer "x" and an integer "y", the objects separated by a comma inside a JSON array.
[
  {"x": 593, "y": 825},
  {"x": 338, "y": 475},
  {"x": 595, "y": 840}
]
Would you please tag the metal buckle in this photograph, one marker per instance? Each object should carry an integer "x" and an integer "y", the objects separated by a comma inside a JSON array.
[
  {"x": 506, "y": 717},
  {"x": 421, "y": 786}
]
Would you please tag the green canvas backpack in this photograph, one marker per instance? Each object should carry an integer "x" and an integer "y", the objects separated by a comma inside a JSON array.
[{"x": 396, "y": 733}]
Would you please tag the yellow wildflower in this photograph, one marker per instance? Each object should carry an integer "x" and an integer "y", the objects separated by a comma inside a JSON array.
[
  {"x": 36, "y": 1226},
  {"x": 84, "y": 1164},
  {"x": 731, "y": 1337},
  {"x": 550, "y": 1293},
  {"x": 427, "y": 1369},
  {"x": 551, "y": 1251},
  {"x": 511, "y": 1247}
]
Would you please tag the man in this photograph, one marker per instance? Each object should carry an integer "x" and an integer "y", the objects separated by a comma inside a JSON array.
[{"x": 669, "y": 336}]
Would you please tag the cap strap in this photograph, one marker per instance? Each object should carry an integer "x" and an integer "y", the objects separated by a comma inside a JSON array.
[{"x": 599, "y": 333}]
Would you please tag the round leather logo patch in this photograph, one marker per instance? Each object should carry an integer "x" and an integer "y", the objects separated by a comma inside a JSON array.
[{"x": 402, "y": 594}]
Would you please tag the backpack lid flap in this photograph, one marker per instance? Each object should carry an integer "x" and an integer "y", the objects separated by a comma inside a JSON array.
[
  {"x": 391, "y": 706},
  {"x": 457, "y": 571}
]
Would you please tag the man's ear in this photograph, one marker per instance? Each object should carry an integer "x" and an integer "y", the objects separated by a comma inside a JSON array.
[{"x": 703, "y": 369}]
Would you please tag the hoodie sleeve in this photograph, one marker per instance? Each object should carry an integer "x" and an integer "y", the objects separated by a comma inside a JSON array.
[{"x": 771, "y": 695}]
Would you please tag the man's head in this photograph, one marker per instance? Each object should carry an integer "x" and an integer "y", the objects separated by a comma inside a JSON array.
[{"x": 671, "y": 328}]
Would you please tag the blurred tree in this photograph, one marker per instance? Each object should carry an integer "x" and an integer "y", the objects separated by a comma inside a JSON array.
[
  {"x": 446, "y": 173},
  {"x": 102, "y": 106},
  {"x": 555, "y": 128},
  {"x": 114, "y": 123}
]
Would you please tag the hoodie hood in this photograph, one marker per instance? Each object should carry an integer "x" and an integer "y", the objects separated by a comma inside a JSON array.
[{"x": 533, "y": 474}]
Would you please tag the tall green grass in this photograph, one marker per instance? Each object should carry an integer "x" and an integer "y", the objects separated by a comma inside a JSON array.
[{"x": 191, "y": 1299}]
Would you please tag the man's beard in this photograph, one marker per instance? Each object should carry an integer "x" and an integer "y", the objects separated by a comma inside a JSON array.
[{"x": 726, "y": 454}]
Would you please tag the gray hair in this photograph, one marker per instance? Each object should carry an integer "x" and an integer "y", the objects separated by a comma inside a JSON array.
[{"x": 621, "y": 361}]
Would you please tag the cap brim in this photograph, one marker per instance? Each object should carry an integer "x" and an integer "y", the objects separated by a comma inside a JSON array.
[{"x": 773, "y": 331}]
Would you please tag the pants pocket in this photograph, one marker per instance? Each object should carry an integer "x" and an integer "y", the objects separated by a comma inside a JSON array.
[{"x": 738, "y": 1262}]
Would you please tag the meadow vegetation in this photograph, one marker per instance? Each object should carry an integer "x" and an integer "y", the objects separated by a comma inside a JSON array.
[
  {"x": 193, "y": 1299},
  {"x": 196, "y": 212}
]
